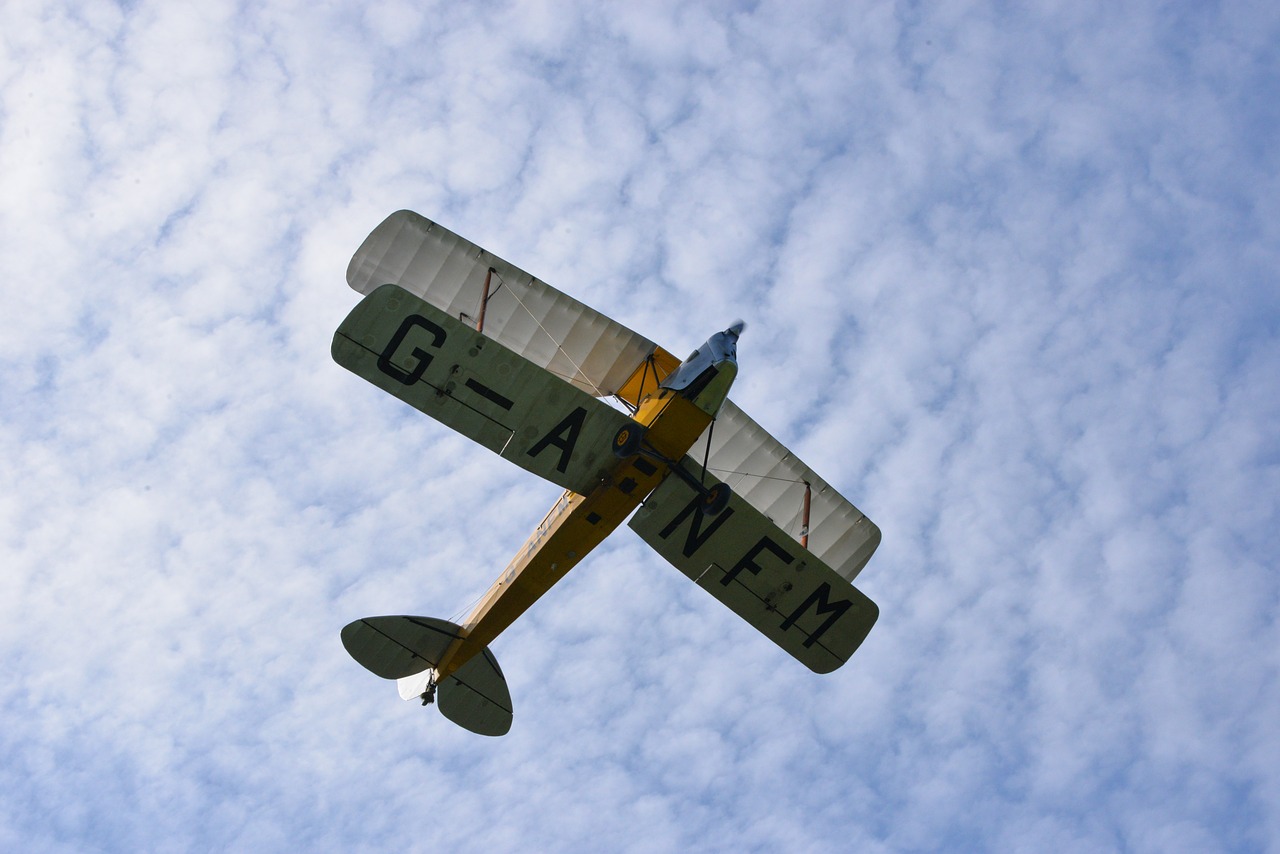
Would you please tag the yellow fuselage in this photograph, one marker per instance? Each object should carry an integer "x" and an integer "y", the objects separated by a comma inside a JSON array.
[{"x": 577, "y": 523}]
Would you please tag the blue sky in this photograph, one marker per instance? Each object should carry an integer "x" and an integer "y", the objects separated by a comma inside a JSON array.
[{"x": 1010, "y": 280}]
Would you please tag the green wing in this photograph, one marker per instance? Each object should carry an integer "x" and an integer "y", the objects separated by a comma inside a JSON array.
[
  {"x": 470, "y": 382},
  {"x": 759, "y": 571}
]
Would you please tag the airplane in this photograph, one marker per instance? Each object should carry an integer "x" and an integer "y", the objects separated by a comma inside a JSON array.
[{"x": 524, "y": 370}]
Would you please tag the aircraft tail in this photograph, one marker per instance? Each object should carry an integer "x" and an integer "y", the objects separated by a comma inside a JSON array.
[{"x": 408, "y": 649}]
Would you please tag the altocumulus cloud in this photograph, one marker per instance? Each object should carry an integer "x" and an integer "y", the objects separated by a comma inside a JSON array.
[{"x": 1011, "y": 285}]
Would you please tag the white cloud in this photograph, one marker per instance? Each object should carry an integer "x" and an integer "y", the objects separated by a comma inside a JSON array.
[{"x": 1010, "y": 284}]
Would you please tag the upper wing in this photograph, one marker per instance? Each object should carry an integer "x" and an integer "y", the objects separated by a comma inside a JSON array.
[
  {"x": 759, "y": 571},
  {"x": 763, "y": 472},
  {"x": 525, "y": 315},
  {"x": 473, "y": 384}
]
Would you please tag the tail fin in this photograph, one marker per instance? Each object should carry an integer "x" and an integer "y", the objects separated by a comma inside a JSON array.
[{"x": 409, "y": 648}]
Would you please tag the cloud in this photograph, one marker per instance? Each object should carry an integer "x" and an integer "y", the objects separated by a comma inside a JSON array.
[{"x": 1009, "y": 280}]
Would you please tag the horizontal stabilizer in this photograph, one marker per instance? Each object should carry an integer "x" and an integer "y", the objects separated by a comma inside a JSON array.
[
  {"x": 409, "y": 648},
  {"x": 476, "y": 697},
  {"x": 395, "y": 647}
]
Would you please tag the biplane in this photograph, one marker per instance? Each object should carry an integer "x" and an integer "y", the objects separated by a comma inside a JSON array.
[{"x": 523, "y": 369}]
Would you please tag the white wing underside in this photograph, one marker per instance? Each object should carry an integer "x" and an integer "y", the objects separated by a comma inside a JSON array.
[
  {"x": 771, "y": 479},
  {"x": 524, "y": 314},
  {"x": 598, "y": 355}
]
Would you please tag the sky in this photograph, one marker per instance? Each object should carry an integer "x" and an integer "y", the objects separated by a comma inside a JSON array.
[{"x": 1010, "y": 280}]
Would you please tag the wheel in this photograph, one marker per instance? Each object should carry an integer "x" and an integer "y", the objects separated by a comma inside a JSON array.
[
  {"x": 626, "y": 442},
  {"x": 716, "y": 499}
]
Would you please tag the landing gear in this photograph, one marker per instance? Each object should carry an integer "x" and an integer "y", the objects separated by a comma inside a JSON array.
[
  {"x": 626, "y": 442},
  {"x": 629, "y": 441},
  {"x": 715, "y": 499},
  {"x": 429, "y": 695}
]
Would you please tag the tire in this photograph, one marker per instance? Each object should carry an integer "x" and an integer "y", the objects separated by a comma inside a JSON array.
[
  {"x": 626, "y": 442},
  {"x": 716, "y": 499}
]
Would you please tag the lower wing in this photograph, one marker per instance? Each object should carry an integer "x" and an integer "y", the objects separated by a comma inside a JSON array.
[
  {"x": 759, "y": 571},
  {"x": 448, "y": 370}
]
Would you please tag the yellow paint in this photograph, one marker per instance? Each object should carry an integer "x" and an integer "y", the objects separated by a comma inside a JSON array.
[
  {"x": 644, "y": 380},
  {"x": 578, "y": 523}
]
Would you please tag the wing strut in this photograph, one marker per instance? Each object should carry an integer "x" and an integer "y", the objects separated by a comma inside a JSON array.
[
  {"x": 706, "y": 456},
  {"x": 804, "y": 525},
  {"x": 633, "y": 408},
  {"x": 484, "y": 300}
]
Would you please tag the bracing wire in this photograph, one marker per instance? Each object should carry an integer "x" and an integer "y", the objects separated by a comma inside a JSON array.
[{"x": 581, "y": 373}]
